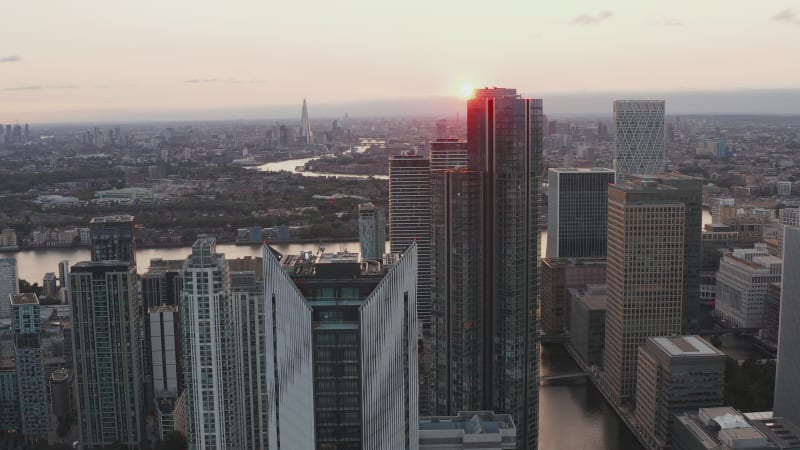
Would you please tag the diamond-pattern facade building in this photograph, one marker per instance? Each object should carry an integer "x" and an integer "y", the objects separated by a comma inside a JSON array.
[{"x": 638, "y": 137}]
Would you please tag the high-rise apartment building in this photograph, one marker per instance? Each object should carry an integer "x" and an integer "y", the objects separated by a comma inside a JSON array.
[
  {"x": 371, "y": 231},
  {"x": 787, "y": 391},
  {"x": 675, "y": 375},
  {"x": 448, "y": 154},
  {"x": 166, "y": 364},
  {"x": 209, "y": 365},
  {"x": 9, "y": 285},
  {"x": 162, "y": 283},
  {"x": 690, "y": 193},
  {"x": 493, "y": 257},
  {"x": 458, "y": 324},
  {"x": 410, "y": 221},
  {"x": 252, "y": 349},
  {"x": 577, "y": 215},
  {"x": 638, "y": 137},
  {"x": 644, "y": 276},
  {"x": 342, "y": 356},
  {"x": 107, "y": 361},
  {"x": 113, "y": 238},
  {"x": 29, "y": 353}
]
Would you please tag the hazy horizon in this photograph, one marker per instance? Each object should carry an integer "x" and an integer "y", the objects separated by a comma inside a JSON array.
[{"x": 84, "y": 61}]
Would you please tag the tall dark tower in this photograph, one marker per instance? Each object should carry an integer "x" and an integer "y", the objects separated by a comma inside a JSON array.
[
  {"x": 113, "y": 239},
  {"x": 488, "y": 339}
]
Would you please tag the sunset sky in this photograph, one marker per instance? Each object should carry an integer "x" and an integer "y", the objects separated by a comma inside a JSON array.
[{"x": 92, "y": 59}]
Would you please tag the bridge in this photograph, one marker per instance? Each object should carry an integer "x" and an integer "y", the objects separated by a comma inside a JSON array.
[{"x": 564, "y": 376}]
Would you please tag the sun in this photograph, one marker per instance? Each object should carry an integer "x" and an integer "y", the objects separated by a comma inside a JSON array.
[{"x": 467, "y": 90}]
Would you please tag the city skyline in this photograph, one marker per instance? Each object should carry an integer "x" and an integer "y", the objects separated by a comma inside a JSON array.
[{"x": 211, "y": 58}]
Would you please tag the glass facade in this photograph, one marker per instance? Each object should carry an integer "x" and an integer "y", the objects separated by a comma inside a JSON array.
[{"x": 113, "y": 238}]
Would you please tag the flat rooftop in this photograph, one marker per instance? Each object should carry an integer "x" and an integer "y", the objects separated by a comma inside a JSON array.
[
  {"x": 112, "y": 219},
  {"x": 582, "y": 170},
  {"x": 24, "y": 299},
  {"x": 472, "y": 422},
  {"x": 685, "y": 346}
]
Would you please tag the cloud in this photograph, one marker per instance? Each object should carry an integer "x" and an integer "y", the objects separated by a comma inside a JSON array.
[
  {"x": 222, "y": 80},
  {"x": 787, "y": 16},
  {"x": 10, "y": 58},
  {"x": 664, "y": 21},
  {"x": 589, "y": 19},
  {"x": 37, "y": 87}
]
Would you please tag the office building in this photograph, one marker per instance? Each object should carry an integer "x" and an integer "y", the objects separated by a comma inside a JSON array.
[
  {"x": 787, "y": 391},
  {"x": 105, "y": 321},
  {"x": 342, "y": 366},
  {"x": 209, "y": 363},
  {"x": 483, "y": 430},
  {"x": 49, "y": 285},
  {"x": 577, "y": 215},
  {"x": 252, "y": 349},
  {"x": 675, "y": 375},
  {"x": 588, "y": 323},
  {"x": 557, "y": 277},
  {"x": 410, "y": 221},
  {"x": 690, "y": 193},
  {"x": 29, "y": 354},
  {"x": 638, "y": 137},
  {"x": 9, "y": 285},
  {"x": 727, "y": 428},
  {"x": 448, "y": 154},
  {"x": 772, "y": 308},
  {"x": 113, "y": 238},
  {"x": 742, "y": 281},
  {"x": 454, "y": 361},
  {"x": 644, "y": 276},
  {"x": 9, "y": 403},
  {"x": 371, "y": 231}
]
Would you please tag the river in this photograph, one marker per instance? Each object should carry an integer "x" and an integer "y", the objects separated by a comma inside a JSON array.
[
  {"x": 570, "y": 416},
  {"x": 291, "y": 165}
]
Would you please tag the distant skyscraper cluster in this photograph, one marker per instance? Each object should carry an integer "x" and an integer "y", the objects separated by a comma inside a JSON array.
[{"x": 13, "y": 135}]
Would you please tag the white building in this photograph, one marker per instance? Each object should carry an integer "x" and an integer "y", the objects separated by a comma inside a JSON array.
[
  {"x": 9, "y": 285},
  {"x": 208, "y": 350},
  {"x": 343, "y": 366},
  {"x": 742, "y": 282},
  {"x": 789, "y": 216},
  {"x": 638, "y": 137}
]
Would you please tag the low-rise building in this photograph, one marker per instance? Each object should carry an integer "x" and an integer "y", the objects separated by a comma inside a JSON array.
[
  {"x": 558, "y": 275},
  {"x": 482, "y": 430},
  {"x": 588, "y": 323},
  {"x": 725, "y": 428},
  {"x": 675, "y": 375}
]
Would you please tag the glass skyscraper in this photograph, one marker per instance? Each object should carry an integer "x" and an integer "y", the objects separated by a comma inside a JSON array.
[
  {"x": 487, "y": 340},
  {"x": 638, "y": 137}
]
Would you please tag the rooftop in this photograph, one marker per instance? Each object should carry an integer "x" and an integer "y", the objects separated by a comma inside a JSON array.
[
  {"x": 472, "y": 422},
  {"x": 582, "y": 170},
  {"x": 685, "y": 346},
  {"x": 24, "y": 299},
  {"x": 112, "y": 219}
]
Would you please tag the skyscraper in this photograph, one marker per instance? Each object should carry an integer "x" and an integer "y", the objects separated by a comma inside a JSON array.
[
  {"x": 105, "y": 345},
  {"x": 9, "y": 285},
  {"x": 644, "y": 276},
  {"x": 638, "y": 137},
  {"x": 28, "y": 351},
  {"x": 690, "y": 193},
  {"x": 410, "y": 221},
  {"x": 343, "y": 352},
  {"x": 456, "y": 353},
  {"x": 305, "y": 126},
  {"x": 448, "y": 154},
  {"x": 787, "y": 391},
  {"x": 578, "y": 212},
  {"x": 208, "y": 350},
  {"x": 505, "y": 135},
  {"x": 371, "y": 231},
  {"x": 113, "y": 238}
]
